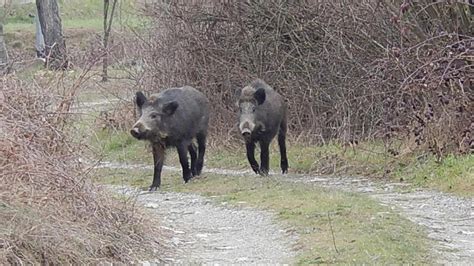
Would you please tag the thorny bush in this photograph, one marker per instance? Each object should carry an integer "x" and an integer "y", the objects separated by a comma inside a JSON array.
[
  {"x": 50, "y": 212},
  {"x": 386, "y": 69}
]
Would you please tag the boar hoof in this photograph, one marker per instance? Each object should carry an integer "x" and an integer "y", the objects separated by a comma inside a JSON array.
[
  {"x": 187, "y": 178},
  {"x": 256, "y": 169},
  {"x": 284, "y": 166},
  {"x": 263, "y": 172},
  {"x": 153, "y": 188}
]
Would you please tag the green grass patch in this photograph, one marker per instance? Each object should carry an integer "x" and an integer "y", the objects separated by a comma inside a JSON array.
[
  {"x": 135, "y": 177},
  {"x": 75, "y": 14},
  {"x": 78, "y": 23},
  {"x": 453, "y": 174},
  {"x": 95, "y": 24},
  {"x": 230, "y": 158},
  {"x": 121, "y": 147},
  {"x": 364, "y": 231}
]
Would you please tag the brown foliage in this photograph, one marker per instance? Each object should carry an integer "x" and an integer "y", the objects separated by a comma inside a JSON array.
[
  {"x": 50, "y": 212},
  {"x": 121, "y": 117},
  {"x": 348, "y": 71}
]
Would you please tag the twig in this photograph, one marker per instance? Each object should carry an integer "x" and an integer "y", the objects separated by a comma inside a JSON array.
[{"x": 332, "y": 233}]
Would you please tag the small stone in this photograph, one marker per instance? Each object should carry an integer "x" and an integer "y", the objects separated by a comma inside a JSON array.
[
  {"x": 224, "y": 248},
  {"x": 152, "y": 205}
]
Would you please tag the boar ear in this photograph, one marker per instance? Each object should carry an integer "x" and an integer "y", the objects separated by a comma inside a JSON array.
[
  {"x": 140, "y": 99},
  {"x": 170, "y": 107},
  {"x": 260, "y": 95}
]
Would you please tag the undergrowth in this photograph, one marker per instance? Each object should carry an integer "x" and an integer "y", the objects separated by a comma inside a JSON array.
[{"x": 50, "y": 211}]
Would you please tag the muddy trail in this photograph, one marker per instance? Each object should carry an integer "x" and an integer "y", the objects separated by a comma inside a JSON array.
[{"x": 449, "y": 220}]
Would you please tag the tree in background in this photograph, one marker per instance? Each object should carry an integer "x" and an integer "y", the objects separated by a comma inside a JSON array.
[
  {"x": 3, "y": 50},
  {"x": 108, "y": 18},
  {"x": 55, "y": 45},
  {"x": 39, "y": 38}
]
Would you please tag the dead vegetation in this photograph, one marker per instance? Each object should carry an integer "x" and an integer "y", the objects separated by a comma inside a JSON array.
[
  {"x": 373, "y": 70},
  {"x": 118, "y": 118},
  {"x": 51, "y": 213}
]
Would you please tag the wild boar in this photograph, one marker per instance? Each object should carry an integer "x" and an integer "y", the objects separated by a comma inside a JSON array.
[
  {"x": 174, "y": 118},
  {"x": 262, "y": 114}
]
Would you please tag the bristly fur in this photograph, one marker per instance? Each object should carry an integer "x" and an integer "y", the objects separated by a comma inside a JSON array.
[
  {"x": 183, "y": 116},
  {"x": 247, "y": 93},
  {"x": 262, "y": 111}
]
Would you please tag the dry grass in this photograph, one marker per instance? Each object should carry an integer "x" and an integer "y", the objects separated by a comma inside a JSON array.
[{"x": 50, "y": 212}]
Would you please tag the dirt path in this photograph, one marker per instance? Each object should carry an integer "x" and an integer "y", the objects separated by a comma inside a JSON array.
[
  {"x": 448, "y": 220},
  {"x": 212, "y": 233},
  {"x": 204, "y": 232}
]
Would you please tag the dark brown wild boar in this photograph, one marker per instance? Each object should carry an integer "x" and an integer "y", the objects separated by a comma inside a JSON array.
[
  {"x": 173, "y": 118},
  {"x": 262, "y": 114}
]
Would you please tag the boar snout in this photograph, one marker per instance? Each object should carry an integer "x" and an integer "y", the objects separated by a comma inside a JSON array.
[
  {"x": 138, "y": 131},
  {"x": 246, "y": 135},
  {"x": 135, "y": 133},
  {"x": 246, "y": 129}
]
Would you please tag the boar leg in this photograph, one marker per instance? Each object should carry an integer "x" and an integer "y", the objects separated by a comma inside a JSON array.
[
  {"x": 251, "y": 156},
  {"x": 201, "y": 140},
  {"x": 192, "y": 152},
  {"x": 282, "y": 145},
  {"x": 183, "y": 160},
  {"x": 264, "y": 157},
  {"x": 158, "y": 158}
]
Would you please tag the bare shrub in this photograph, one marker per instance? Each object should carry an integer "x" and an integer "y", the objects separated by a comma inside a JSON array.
[
  {"x": 121, "y": 117},
  {"x": 50, "y": 211},
  {"x": 348, "y": 70}
]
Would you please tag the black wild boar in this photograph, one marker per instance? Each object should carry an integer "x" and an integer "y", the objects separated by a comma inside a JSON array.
[
  {"x": 262, "y": 114},
  {"x": 173, "y": 118}
]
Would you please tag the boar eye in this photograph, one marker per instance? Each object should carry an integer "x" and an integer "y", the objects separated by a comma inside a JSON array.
[
  {"x": 154, "y": 115},
  {"x": 253, "y": 109}
]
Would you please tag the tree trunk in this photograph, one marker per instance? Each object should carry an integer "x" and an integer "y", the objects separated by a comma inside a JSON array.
[
  {"x": 107, "y": 28},
  {"x": 3, "y": 50},
  {"x": 55, "y": 45},
  {"x": 39, "y": 39}
]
